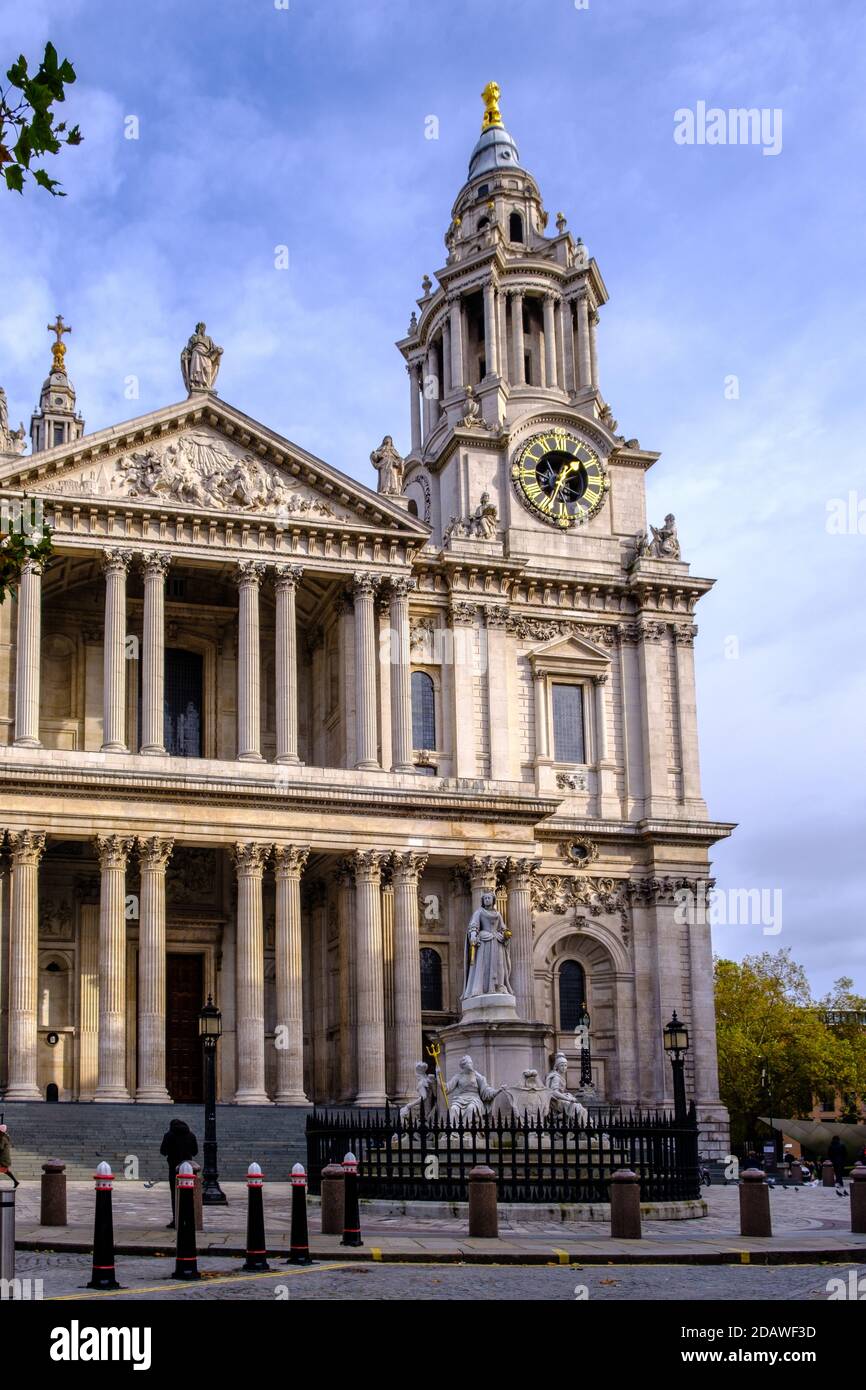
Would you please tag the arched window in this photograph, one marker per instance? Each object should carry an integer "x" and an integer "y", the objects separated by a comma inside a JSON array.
[
  {"x": 423, "y": 711},
  {"x": 482, "y": 223},
  {"x": 572, "y": 995},
  {"x": 515, "y": 227},
  {"x": 431, "y": 979},
  {"x": 413, "y": 507}
]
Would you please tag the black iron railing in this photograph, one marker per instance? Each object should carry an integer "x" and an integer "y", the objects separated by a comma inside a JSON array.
[{"x": 555, "y": 1159}]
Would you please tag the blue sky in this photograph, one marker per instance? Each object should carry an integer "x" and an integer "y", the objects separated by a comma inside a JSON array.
[{"x": 305, "y": 127}]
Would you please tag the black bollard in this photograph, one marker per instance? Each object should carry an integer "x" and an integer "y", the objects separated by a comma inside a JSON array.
[
  {"x": 186, "y": 1258},
  {"x": 102, "y": 1274},
  {"x": 256, "y": 1251},
  {"x": 299, "y": 1239},
  {"x": 352, "y": 1215}
]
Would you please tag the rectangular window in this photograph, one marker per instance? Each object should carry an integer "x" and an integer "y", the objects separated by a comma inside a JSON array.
[
  {"x": 568, "y": 742},
  {"x": 58, "y": 435}
]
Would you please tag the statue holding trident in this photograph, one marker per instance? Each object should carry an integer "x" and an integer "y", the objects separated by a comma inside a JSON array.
[{"x": 487, "y": 965}]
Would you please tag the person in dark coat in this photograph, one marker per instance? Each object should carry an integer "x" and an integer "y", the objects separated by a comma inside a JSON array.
[
  {"x": 836, "y": 1155},
  {"x": 6, "y": 1155},
  {"x": 178, "y": 1144}
]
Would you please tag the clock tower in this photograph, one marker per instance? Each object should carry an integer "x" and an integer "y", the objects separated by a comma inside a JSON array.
[{"x": 512, "y": 441}]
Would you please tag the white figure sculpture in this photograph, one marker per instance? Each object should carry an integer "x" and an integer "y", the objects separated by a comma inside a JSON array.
[
  {"x": 468, "y": 1093},
  {"x": 200, "y": 361},
  {"x": 487, "y": 966},
  {"x": 425, "y": 1102},
  {"x": 389, "y": 466},
  {"x": 561, "y": 1099}
]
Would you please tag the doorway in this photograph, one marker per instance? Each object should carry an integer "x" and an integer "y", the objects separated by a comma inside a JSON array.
[{"x": 184, "y": 979}]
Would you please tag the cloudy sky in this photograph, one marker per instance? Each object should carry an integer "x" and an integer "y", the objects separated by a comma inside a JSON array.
[{"x": 305, "y": 126}]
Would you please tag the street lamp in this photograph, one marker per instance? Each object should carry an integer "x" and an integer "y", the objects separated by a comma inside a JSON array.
[
  {"x": 585, "y": 1054},
  {"x": 210, "y": 1031},
  {"x": 676, "y": 1040}
]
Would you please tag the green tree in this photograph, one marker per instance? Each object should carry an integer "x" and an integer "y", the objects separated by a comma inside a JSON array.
[
  {"x": 18, "y": 544},
  {"x": 27, "y": 129},
  {"x": 769, "y": 1025}
]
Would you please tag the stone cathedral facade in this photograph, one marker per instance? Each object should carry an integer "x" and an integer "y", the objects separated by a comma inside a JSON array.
[{"x": 268, "y": 732}]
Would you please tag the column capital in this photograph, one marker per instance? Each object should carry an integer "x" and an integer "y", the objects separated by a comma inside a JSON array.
[
  {"x": 26, "y": 846},
  {"x": 600, "y": 679},
  {"x": 154, "y": 563},
  {"x": 249, "y": 572},
  {"x": 496, "y": 616},
  {"x": 344, "y": 873},
  {"x": 484, "y": 869},
  {"x": 289, "y": 860},
  {"x": 685, "y": 634},
  {"x": 515, "y": 293},
  {"x": 550, "y": 298},
  {"x": 154, "y": 852},
  {"x": 408, "y": 866},
  {"x": 31, "y": 566},
  {"x": 364, "y": 583},
  {"x": 116, "y": 560},
  {"x": 113, "y": 851},
  {"x": 250, "y": 858},
  {"x": 287, "y": 576},
  {"x": 462, "y": 614},
  {"x": 521, "y": 872},
  {"x": 368, "y": 865},
  {"x": 401, "y": 586}
]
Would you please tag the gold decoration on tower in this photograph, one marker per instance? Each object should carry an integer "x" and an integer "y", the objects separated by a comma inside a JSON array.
[
  {"x": 492, "y": 115},
  {"x": 58, "y": 349}
]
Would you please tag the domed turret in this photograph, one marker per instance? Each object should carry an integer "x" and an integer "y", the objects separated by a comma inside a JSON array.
[
  {"x": 55, "y": 421},
  {"x": 495, "y": 148}
]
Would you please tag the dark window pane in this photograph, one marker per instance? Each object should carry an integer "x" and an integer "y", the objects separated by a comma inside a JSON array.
[
  {"x": 431, "y": 978},
  {"x": 182, "y": 705},
  {"x": 568, "y": 744},
  {"x": 423, "y": 711},
  {"x": 515, "y": 227},
  {"x": 572, "y": 995}
]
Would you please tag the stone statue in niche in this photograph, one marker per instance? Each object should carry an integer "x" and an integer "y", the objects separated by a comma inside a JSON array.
[
  {"x": 481, "y": 525},
  {"x": 200, "y": 361},
  {"x": 487, "y": 964},
  {"x": 389, "y": 465}
]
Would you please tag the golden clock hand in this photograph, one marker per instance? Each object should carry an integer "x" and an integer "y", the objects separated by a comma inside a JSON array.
[{"x": 569, "y": 468}]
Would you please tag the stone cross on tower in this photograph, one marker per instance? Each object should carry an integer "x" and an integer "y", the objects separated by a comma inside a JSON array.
[{"x": 58, "y": 349}]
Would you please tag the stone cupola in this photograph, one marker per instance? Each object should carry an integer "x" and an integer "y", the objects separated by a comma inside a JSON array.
[{"x": 55, "y": 420}]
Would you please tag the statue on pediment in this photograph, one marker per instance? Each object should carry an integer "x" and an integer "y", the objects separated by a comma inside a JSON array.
[
  {"x": 665, "y": 543},
  {"x": 389, "y": 465},
  {"x": 200, "y": 361},
  {"x": 11, "y": 441}
]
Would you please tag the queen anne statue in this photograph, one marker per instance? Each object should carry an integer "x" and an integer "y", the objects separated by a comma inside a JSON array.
[{"x": 487, "y": 964}]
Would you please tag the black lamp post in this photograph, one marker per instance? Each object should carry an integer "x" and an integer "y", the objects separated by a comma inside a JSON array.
[
  {"x": 585, "y": 1053},
  {"x": 676, "y": 1039},
  {"x": 210, "y": 1031}
]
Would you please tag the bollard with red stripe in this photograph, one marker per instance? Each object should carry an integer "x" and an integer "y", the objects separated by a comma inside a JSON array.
[
  {"x": 186, "y": 1257},
  {"x": 102, "y": 1275},
  {"x": 352, "y": 1215},
  {"x": 256, "y": 1249},
  {"x": 299, "y": 1240}
]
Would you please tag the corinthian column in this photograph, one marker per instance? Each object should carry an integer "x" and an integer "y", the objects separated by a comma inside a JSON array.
[
  {"x": 248, "y": 578},
  {"x": 289, "y": 863},
  {"x": 288, "y": 577},
  {"x": 365, "y": 670},
  {"x": 584, "y": 368},
  {"x": 520, "y": 873},
  {"x": 517, "y": 337},
  {"x": 115, "y": 565},
  {"x": 455, "y": 310},
  {"x": 27, "y": 849},
  {"x": 154, "y": 854},
  {"x": 155, "y": 566},
  {"x": 250, "y": 860},
  {"x": 370, "y": 978},
  {"x": 408, "y": 868},
  {"x": 414, "y": 407},
  {"x": 112, "y": 852},
  {"x": 28, "y": 652},
  {"x": 401, "y": 677},
  {"x": 550, "y": 340},
  {"x": 490, "y": 359}
]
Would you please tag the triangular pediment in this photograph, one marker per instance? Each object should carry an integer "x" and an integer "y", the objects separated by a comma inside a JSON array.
[
  {"x": 207, "y": 456},
  {"x": 567, "y": 651}
]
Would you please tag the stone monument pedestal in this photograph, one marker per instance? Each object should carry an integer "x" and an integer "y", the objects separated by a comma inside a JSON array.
[{"x": 501, "y": 1045}]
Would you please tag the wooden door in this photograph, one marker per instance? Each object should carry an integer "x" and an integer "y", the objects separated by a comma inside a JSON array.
[{"x": 184, "y": 998}]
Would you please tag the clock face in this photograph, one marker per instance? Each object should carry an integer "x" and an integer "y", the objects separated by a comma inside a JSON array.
[{"x": 559, "y": 478}]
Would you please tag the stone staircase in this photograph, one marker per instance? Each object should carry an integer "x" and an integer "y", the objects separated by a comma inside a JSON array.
[{"x": 82, "y": 1135}]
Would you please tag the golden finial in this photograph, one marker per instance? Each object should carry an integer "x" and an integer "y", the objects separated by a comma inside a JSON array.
[
  {"x": 490, "y": 96},
  {"x": 58, "y": 349}
]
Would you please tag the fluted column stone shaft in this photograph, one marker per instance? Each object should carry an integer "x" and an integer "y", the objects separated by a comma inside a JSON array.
[
  {"x": 115, "y": 567},
  {"x": 248, "y": 578},
  {"x": 550, "y": 341},
  {"x": 289, "y": 861},
  {"x": 369, "y": 978},
  {"x": 154, "y": 854},
  {"x": 27, "y": 848},
  {"x": 113, "y": 854},
  {"x": 408, "y": 868},
  {"x": 288, "y": 577},
  {"x": 28, "y": 654},
  {"x": 250, "y": 859},
  {"x": 401, "y": 676},
  {"x": 153, "y": 654},
  {"x": 517, "y": 337},
  {"x": 365, "y": 670},
  {"x": 520, "y": 873}
]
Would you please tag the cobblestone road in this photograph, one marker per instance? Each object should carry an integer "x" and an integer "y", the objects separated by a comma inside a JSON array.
[{"x": 64, "y": 1277}]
